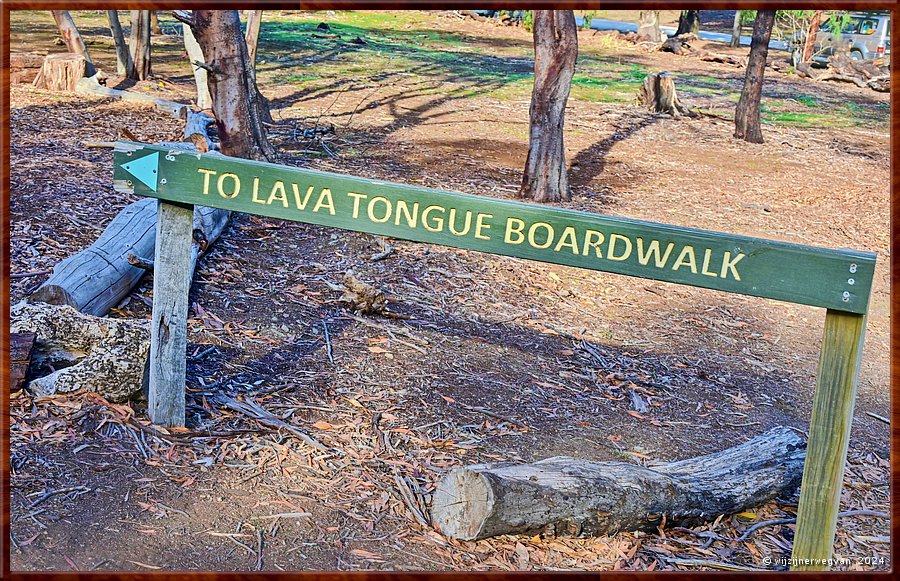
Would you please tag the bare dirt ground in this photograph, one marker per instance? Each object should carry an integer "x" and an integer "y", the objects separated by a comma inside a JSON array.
[{"x": 500, "y": 359}]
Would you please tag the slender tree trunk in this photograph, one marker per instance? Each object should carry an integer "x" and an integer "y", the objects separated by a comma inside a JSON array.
[
  {"x": 232, "y": 85},
  {"x": 154, "y": 23},
  {"x": 736, "y": 30},
  {"x": 648, "y": 26},
  {"x": 254, "y": 18},
  {"x": 140, "y": 45},
  {"x": 72, "y": 38},
  {"x": 195, "y": 55},
  {"x": 555, "y": 52},
  {"x": 123, "y": 57},
  {"x": 689, "y": 23},
  {"x": 809, "y": 46},
  {"x": 746, "y": 116}
]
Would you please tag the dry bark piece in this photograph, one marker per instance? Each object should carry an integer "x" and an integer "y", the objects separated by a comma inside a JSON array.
[
  {"x": 362, "y": 297},
  {"x": 568, "y": 496},
  {"x": 107, "y": 356},
  {"x": 20, "y": 347}
]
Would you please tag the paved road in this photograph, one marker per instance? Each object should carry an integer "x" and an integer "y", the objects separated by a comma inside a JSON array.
[{"x": 602, "y": 24}]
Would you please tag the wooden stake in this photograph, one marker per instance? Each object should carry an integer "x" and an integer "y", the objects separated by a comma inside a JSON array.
[
  {"x": 168, "y": 339},
  {"x": 829, "y": 435}
]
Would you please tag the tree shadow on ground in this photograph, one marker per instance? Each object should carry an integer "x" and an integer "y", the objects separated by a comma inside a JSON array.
[{"x": 590, "y": 163}]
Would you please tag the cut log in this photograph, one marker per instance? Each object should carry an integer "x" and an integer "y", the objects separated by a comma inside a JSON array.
[
  {"x": 20, "y": 347},
  {"x": 61, "y": 72},
  {"x": 24, "y": 67},
  {"x": 98, "y": 278},
  {"x": 107, "y": 356},
  {"x": 567, "y": 496},
  {"x": 658, "y": 94}
]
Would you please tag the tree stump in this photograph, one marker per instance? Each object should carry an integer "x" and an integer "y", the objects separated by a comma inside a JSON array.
[
  {"x": 568, "y": 496},
  {"x": 61, "y": 72},
  {"x": 658, "y": 94}
]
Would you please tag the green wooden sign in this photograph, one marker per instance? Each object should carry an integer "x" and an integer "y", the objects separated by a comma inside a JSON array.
[
  {"x": 836, "y": 279},
  {"x": 839, "y": 280}
]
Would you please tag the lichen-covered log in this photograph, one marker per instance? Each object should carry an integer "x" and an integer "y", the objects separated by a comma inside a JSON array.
[
  {"x": 567, "y": 496},
  {"x": 99, "y": 277},
  {"x": 107, "y": 356}
]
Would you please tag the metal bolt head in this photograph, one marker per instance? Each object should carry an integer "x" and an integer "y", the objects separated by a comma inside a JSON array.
[
  {"x": 853, "y": 267},
  {"x": 162, "y": 181},
  {"x": 851, "y": 281},
  {"x": 845, "y": 296}
]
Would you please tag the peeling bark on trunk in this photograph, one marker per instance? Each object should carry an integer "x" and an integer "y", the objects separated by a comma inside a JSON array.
[
  {"x": 123, "y": 57},
  {"x": 746, "y": 116},
  {"x": 809, "y": 45},
  {"x": 232, "y": 85},
  {"x": 140, "y": 45},
  {"x": 72, "y": 38},
  {"x": 555, "y": 52},
  {"x": 689, "y": 23},
  {"x": 648, "y": 26},
  {"x": 567, "y": 496}
]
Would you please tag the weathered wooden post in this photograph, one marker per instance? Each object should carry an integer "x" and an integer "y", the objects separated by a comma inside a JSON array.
[
  {"x": 168, "y": 333},
  {"x": 171, "y": 284},
  {"x": 829, "y": 436}
]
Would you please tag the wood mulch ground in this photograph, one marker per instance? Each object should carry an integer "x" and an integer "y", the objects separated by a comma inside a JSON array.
[{"x": 499, "y": 360}]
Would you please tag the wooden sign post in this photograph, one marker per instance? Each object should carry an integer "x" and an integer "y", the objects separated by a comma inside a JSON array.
[{"x": 838, "y": 280}]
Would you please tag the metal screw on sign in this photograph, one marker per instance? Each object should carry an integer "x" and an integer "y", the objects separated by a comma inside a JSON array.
[
  {"x": 846, "y": 296},
  {"x": 162, "y": 181},
  {"x": 853, "y": 267},
  {"x": 128, "y": 154},
  {"x": 851, "y": 281},
  {"x": 171, "y": 157}
]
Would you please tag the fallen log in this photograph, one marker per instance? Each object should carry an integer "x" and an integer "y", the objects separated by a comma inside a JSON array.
[
  {"x": 567, "y": 496},
  {"x": 103, "y": 355},
  {"x": 92, "y": 86},
  {"x": 99, "y": 277},
  {"x": 24, "y": 67}
]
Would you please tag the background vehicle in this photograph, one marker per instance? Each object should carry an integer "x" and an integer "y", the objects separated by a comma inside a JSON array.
[{"x": 864, "y": 35}]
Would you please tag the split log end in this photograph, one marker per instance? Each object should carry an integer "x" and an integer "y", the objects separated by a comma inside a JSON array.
[{"x": 462, "y": 504}]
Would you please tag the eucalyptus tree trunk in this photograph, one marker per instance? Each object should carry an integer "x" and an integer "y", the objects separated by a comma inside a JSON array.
[
  {"x": 809, "y": 46},
  {"x": 555, "y": 52},
  {"x": 689, "y": 23},
  {"x": 154, "y": 23},
  {"x": 123, "y": 57},
  {"x": 648, "y": 26},
  {"x": 254, "y": 18},
  {"x": 140, "y": 45},
  {"x": 72, "y": 38},
  {"x": 195, "y": 55},
  {"x": 746, "y": 116},
  {"x": 232, "y": 84},
  {"x": 736, "y": 30}
]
